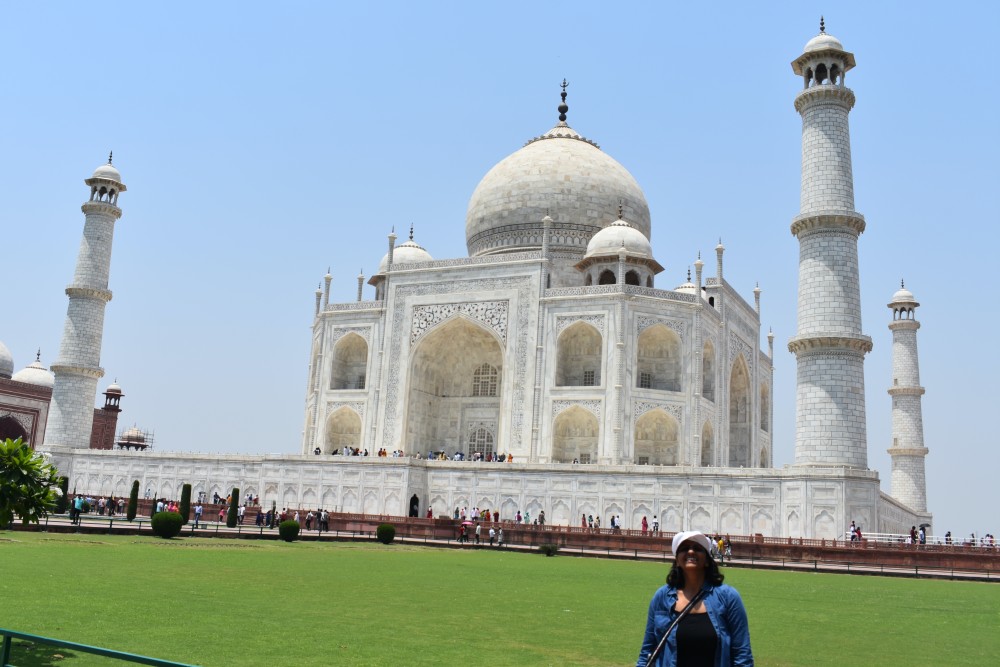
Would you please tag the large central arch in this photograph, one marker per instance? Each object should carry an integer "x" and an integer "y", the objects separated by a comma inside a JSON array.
[
  {"x": 453, "y": 381},
  {"x": 343, "y": 429}
]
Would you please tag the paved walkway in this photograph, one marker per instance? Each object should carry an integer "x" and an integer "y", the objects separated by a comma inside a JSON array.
[{"x": 92, "y": 524}]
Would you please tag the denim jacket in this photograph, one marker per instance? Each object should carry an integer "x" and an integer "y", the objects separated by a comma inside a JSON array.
[{"x": 725, "y": 610}]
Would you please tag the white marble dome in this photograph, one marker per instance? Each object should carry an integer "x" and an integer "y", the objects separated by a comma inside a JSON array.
[
  {"x": 615, "y": 236},
  {"x": 408, "y": 252},
  {"x": 108, "y": 171},
  {"x": 821, "y": 42},
  {"x": 560, "y": 174},
  {"x": 133, "y": 436},
  {"x": 6, "y": 362},
  {"x": 903, "y": 295},
  {"x": 35, "y": 374}
]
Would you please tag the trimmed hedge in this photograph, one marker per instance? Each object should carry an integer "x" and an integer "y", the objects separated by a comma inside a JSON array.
[
  {"x": 385, "y": 533},
  {"x": 549, "y": 549},
  {"x": 289, "y": 530},
  {"x": 185, "y": 508},
  {"x": 234, "y": 507},
  {"x": 62, "y": 502},
  {"x": 133, "y": 501},
  {"x": 166, "y": 524}
]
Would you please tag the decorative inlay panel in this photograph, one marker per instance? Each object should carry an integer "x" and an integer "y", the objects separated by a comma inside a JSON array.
[
  {"x": 357, "y": 406},
  {"x": 594, "y": 407},
  {"x": 642, "y": 407},
  {"x": 340, "y": 332},
  {"x": 563, "y": 321},
  {"x": 24, "y": 420},
  {"x": 645, "y": 321},
  {"x": 739, "y": 346},
  {"x": 491, "y": 313}
]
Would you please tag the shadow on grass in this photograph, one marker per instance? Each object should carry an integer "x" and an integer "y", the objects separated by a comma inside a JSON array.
[{"x": 29, "y": 654}]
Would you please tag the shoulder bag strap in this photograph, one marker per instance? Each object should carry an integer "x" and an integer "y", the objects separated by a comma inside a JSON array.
[{"x": 684, "y": 612}]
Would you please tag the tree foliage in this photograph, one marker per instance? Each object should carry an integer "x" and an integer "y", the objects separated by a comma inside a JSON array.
[{"x": 28, "y": 484}]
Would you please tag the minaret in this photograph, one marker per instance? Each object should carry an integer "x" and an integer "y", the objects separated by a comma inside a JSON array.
[
  {"x": 77, "y": 369},
  {"x": 909, "y": 485},
  {"x": 829, "y": 347}
]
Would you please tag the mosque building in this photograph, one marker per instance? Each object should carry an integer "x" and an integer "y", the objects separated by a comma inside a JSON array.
[{"x": 555, "y": 347}]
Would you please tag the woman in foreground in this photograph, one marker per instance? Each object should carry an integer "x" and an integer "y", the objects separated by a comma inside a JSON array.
[{"x": 713, "y": 632}]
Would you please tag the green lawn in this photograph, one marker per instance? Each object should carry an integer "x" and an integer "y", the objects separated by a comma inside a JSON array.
[{"x": 244, "y": 602}]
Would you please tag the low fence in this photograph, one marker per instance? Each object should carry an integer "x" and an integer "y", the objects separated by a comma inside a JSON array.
[{"x": 8, "y": 653}]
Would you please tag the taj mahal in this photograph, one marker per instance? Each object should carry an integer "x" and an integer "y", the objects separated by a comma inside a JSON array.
[{"x": 551, "y": 369}]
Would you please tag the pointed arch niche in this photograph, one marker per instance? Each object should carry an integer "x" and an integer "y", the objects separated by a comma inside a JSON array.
[
  {"x": 350, "y": 363},
  {"x": 707, "y": 445},
  {"x": 343, "y": 429},
  {"x": 575, "y": 436},
  {"x": 656, "y": 438},
  {"x": 739, "y": 414},
  {"x": 659, "y": 359},
  {"x": 708, "y": 371},
  {"x": 578, "y": 359},
  {"x": 454, "y": 377}
]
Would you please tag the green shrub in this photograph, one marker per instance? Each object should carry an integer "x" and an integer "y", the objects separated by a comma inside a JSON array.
[
  {"x": 234, "y": 507},
  {"x": 185, "y": 508},
  {"x": 385, "y": 533},
  {"x": 62, "y": 503},
  {"x": 289, "y": 530},
  {"x": 549, "y": 549},
  {"x": 86, "y": 507},
  {"x": 133, "y": 501},
  {"x": 166, "y": 524}
]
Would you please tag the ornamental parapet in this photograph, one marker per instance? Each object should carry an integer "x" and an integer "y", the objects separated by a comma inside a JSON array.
[
  {"x": 850, "y": 343},
  {"x": 908, "y": 451},
  {"x": 86, "y": 371},
  {"x": 89, "y": 293},
  {"x": 837, "y": 95},
  {"x": 904, "y": 325},
  {"x": 101, "y": 207},
  {"x": 906, "y": 391},
  {"x": 828, "y": 220}
]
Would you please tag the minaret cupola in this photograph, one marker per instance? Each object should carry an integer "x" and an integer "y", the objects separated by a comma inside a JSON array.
[{"x": 823, "y": 62}]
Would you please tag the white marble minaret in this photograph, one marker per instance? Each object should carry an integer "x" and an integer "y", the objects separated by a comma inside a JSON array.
[
  {"x": 78, "y": 367},
  {"x": 829, "y": 347},
  {"x": 909, "y": 485}
]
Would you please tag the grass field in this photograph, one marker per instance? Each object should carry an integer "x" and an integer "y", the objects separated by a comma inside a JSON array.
[{"x": 243, "y": 602}]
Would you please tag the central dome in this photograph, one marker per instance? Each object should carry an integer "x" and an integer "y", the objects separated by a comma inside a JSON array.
[{"x": 561, "y": 174}]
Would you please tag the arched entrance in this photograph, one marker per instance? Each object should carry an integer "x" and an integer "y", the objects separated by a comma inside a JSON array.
[
  {"x": 455, "y": 385},
  {"x": 343, "y": 429},
  {"x": 739, "y": 414},
  {"x": 656, "y": 435},
  {"x": 575, "y": 436}
]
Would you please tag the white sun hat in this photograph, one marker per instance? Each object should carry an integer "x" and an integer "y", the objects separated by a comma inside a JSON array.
[{"x": 691, "y": 536}]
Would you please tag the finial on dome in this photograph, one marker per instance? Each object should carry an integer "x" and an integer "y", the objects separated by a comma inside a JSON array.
[
  {"x": 562, "y": 107},
  {"x": 411, "y": 231},
  {"x": 822, "y": 25},
  {"x": 38, "y": 356},
  {"x": 620, "y": 209},
  {"x": 902, "y": 285},
  {"x": 689, "y": 274},
  {"x": 111, "y": 154}
]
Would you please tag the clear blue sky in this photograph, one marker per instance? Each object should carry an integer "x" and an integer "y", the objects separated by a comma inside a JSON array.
[{"x": 261, "y": 143}]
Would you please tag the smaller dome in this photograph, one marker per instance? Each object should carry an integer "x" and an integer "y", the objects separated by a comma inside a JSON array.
[
  {"x": 821, "y": 42},
  {"x": 903, "y": 296},
  {"x": 113, "y": 388},
  {"x": 35, "y": 374},
  {"x": 6, "y": 362},
  {"x": 612, "y": 238},
  {"x": 108, "y": 172},
  {"x": 405, "y": 253},
  {"x": 133, "y": 435},
  {"x": 688, "y": 287}
]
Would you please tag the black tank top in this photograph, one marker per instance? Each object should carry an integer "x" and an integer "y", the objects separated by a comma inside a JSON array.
[{"x": 696, "y": 641}]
